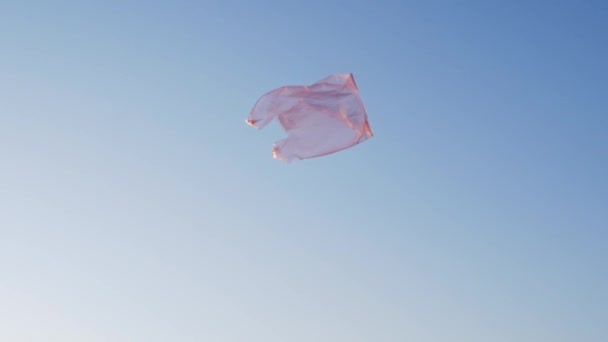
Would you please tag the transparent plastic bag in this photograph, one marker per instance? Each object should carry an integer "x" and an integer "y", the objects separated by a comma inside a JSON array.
[{"x": 325, "y": 117}]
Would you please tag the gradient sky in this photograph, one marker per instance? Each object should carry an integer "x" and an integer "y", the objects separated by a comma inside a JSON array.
[{"x": 137, "y": 205}]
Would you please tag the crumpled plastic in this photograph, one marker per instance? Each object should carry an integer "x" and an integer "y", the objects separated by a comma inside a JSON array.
[{"x": 323, "y": 118}]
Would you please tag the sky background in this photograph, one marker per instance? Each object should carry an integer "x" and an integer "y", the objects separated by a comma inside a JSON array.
[{"x": 137, "y": 205}]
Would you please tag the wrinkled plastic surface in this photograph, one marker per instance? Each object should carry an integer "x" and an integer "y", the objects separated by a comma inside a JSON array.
[{"x": 322, "y": 118}]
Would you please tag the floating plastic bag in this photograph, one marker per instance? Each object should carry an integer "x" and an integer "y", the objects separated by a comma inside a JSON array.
[{"x": 319, "y": 119}]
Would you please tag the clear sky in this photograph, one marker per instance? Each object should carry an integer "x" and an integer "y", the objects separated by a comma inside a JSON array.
[{"x": 137, "y": 205}]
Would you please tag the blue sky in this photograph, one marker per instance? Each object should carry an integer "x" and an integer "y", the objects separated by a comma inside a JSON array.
[{"x": 137, "y": 205}]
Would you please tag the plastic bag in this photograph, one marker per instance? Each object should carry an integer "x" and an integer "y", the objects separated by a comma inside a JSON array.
[{"x": 325, "y": 117}]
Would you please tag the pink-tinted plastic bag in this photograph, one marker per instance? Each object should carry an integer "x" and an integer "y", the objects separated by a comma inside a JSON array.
[{"x": 320, "y": 119}]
